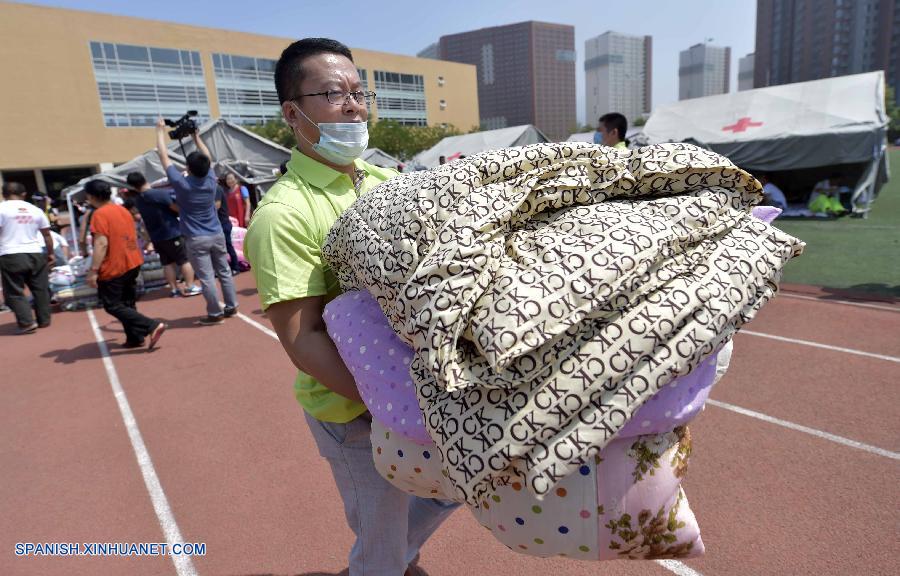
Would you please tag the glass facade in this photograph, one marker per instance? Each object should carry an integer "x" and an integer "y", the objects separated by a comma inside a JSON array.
[
  {"x": 401, "y": 97},
  {"x": 245, "y": 87},
  {"x": 137, "y": 84}
]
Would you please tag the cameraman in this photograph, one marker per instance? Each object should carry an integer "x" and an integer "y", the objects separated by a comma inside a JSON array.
[{"x": 195, "y": 196}]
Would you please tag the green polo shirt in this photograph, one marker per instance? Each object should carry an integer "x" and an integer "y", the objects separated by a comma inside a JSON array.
[
  {"x": 284, "y": 246},
  {"x": 621, "y": 144}
]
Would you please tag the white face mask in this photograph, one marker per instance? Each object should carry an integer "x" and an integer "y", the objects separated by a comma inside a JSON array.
[{"x": 339, "y": 142}]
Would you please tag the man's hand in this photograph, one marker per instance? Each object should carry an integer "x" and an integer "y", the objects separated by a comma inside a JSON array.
[
  {"x": 51, "y": 260},
  {"x": 92, "y": 278},
  {"x": 161, "y": 144}
]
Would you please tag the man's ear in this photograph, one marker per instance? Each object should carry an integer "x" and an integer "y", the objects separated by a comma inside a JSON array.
[{"x": 289, "y": 112}]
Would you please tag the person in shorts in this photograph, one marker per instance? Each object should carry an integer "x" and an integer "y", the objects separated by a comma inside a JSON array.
[{"x": 160, "y": 215}]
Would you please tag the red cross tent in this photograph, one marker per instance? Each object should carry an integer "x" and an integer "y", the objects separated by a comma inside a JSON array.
[{"x": 797, "y": 133}]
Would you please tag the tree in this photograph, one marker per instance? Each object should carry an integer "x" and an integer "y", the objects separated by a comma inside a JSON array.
[
  {"x": 404, "y": 142},
  {"x": 893, "y": 113},
  {"x": 275, "y": 130},
  {"x": 639, "y": 121}
]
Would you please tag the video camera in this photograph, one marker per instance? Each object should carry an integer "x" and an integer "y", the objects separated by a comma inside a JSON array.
[{"x": 183, "y": 127}]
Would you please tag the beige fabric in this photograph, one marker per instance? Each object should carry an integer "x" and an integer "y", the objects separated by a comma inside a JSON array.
[{"x": 550, "y": 290}]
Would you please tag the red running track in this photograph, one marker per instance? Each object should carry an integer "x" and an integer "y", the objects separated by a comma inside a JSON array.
[{"x": 240, "y": 472}]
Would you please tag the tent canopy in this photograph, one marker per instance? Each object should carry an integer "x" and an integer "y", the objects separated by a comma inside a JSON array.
[
  {"x": 823, "y": 122},
  {"x": 452, "y": 147},
  {"x": 818, "y": 124},
  {"x": 380, "y": 158},
  {"x": 252, "y": 158}
]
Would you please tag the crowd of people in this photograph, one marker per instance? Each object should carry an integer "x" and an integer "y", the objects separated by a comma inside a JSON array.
[{"x": 187, "y": 224}]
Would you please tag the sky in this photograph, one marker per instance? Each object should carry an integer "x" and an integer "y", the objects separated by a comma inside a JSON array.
[{"x": 406, "y": 27}]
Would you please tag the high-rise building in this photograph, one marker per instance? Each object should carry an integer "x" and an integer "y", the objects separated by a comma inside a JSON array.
[
  {"x": 618, "y": 72},
  {"x": 745, "y": 72},
  {"x": 799, "y": 40},
  {"x": 82, "y": 90},
  {"x": 526, "y": 74},
  {"x": 430, "y": 51},
  {"x": 703, "y": 70}
]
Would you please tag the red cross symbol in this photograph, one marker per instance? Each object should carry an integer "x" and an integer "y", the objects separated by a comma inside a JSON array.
[{"x": 741, "y": 125}]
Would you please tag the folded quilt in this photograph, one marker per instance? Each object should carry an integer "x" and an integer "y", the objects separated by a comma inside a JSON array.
[{"x": 549, "y": 291}]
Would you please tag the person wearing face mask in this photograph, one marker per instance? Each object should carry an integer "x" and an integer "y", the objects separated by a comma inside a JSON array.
[
  {"x": 611, "y": 129},
  {"x": 323, "y": 101}
]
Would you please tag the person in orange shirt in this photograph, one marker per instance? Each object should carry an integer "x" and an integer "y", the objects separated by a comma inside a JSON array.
[{"x": 115, "y": 266}]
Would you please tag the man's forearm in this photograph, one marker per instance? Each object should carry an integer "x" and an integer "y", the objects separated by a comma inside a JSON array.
[
  {"x": 201, "y": 146},
  {"x": 162, "y": 150},
  {"x": 98, "y": 256},
  {"x": 317, "y": 356}
]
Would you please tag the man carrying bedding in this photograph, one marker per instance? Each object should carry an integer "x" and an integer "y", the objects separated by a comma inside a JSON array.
[{"x": 323, "y": 101}]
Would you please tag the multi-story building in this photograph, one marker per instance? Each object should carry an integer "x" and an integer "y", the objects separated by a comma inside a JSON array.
[
  {"x": 745, "y": 72},
  {"x": 82, "y": 90},
  {"x": 799, "y": 40},
  {"x": 526, "y": 74},
  {"x": 618, "y": 73},
  {"x": 703, "y": 70},
  {"x": 430, "y": 51}
]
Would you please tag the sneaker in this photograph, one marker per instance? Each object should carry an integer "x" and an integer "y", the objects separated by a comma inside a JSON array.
[
  {"x": 212, "y": 320},
  {"x": 156, "y": 335},
  {"x": 29, "y": 329},
  {"x": 46, "y": 325},
  {"x": 193, "y": 291},
  {"x": 129, "y": 344},
  {"x": 175, "y": 293},
  {"x": 229, "y": 311}
]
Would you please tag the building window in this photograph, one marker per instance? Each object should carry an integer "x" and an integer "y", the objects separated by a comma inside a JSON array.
[
  {"x": 487, "y": 64},
  {"x": 443, "y": 104},
  {"x": 440, "y": 80},
  {"x": 400, "y": 97},
  {"x": 138, "y": 84},
  {"x": 246, "y": 88}
]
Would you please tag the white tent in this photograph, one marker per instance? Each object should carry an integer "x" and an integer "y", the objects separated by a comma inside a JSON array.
[
  {"x": 380, "y": 158},
  {"x": 808, "y": 125},
  {"x": 252, "y": 158},
  {"x": 452, "y": 147}
]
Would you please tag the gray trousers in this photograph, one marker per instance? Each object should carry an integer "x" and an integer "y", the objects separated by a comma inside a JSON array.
[
  {"x": 209, "y": 259},
  {"x": 390, "y": 525}
]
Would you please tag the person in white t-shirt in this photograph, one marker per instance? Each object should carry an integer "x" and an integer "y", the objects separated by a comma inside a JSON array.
[
  {"x": 24, "y": 237},
  {"x": 60, "y": 248},
  {"x": 773, "y": 194}
]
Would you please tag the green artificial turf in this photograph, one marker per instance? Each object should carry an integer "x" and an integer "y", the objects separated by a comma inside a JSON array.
[{"x": 856, "y": 254}]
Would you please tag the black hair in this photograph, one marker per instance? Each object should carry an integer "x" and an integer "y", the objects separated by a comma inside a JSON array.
[
  {"x": 136, "y": 180},
  {"x": 14, "y": 189},
  {"x": 98, "y": 189},
  {"x": 289, "y": 69},
  {"x": 616, "y": 121},
  {"x": 198, "y": 164},
  {"x": 283, "y": 168}
]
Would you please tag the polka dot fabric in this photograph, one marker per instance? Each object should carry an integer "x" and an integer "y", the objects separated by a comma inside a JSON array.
[
  {"x": 627, "y": 504},
  {"x": 379, "y": 362}
]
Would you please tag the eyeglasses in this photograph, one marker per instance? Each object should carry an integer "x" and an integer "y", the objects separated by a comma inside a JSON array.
[{"x": 340, "y": 98}]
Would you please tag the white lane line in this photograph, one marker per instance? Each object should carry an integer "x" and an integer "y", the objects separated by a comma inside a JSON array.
[
  {"x": 825, "y": 346},
  {"x": 845, "y": 302},
  {"x": 183, "y": 564},
  {"x": 257, "y": 325},
  {"x": 671, "y": 565},
  {"x": 678, "y": 568},
  {"x": 807, "y": 430}
]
